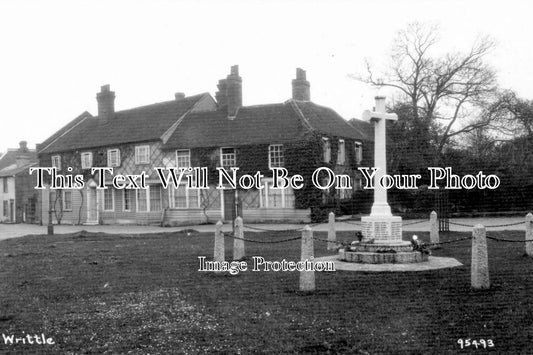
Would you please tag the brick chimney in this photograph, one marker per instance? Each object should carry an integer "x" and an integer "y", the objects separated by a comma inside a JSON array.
[
  {"x": 22, "y": 156},
  {"x": 106, "y": 103},
  {"x": 220, "y": 95},
  {"x": 234, "y": 91},
  {"x": 23, "y": 147},
  {"x": 229, "y": 94},
  {"x": 179, "y": 95},
  {"x": 301, "y": 87}
]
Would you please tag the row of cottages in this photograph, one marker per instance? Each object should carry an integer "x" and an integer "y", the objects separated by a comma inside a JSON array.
[
  {"x": 199, "y": 131},
  {"x": 19, "y": 201}
]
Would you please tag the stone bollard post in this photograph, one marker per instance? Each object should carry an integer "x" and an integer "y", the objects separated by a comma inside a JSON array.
[
  {"x": 307, "y": 278},
  {"x": 529, "y": 234},
  {"x": 219, "y": 243},
  {"x": 480, "y": 265},
  {"x": 238, "y": 244},
  {"x": 332, "y": 236},
  {"x": 434, "y": 228}
]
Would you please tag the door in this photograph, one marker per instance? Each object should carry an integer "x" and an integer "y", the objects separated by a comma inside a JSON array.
[
  {"x": 232, "y": 205},
  {"x": 229, "y": 205},
  {"x": 92, "y": 205},
  {"x": 12, "y": 211}
]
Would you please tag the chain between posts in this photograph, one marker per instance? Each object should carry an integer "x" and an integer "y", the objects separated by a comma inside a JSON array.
[
  {"x": 491, "y": 226},
  {"x": 331, "y": 241},
  {"x": 447, "y": 241},
  {"x": 415, "y": 222},
  {"x": 509, "y": 240},
  {"x": 230, "y": 235},
  {"x": 272, "y": 230}
]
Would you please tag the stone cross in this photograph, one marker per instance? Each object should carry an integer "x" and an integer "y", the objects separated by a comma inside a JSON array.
[{"x": 379, "y": 116}]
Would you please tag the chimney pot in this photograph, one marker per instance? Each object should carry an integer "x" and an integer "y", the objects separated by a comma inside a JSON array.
[
  {"x": 179, "y": 95},
  {"x": 301, "y": 87}
]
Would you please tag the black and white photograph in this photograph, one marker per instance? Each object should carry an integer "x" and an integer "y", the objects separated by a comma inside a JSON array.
[{"x": 278, "y": 177}]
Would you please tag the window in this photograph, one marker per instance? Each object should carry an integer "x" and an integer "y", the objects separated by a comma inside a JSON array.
[
  {"x": 155, "y": 197},
  {"x": 109, "y": 199},
  {"x": 142, "y": 154},
  {"x": 227, "y": 157},
  {"x": 277, "y": 198},
  {"x": 358, "y": 152},
  {"x": 126, "y": 200},
  {"x": 341, "y": 153},
  {"x": 67, "y": 200},
  {"x": 86, "y": 160},
  {"x": 113, "y": 157},
  {"x": 185, "y": 198},
  {"x": 275, "y": 156},
  {"x": 326, "y": 146},
  {"x": 4, "y": 182},
  {"x": 56, "y": 161},
  {"x": 6, "y": 206},
  {"x": 183, "y": 158},
  {"x": 149, "y": 199},
  {"x": 142, "y": 202}
]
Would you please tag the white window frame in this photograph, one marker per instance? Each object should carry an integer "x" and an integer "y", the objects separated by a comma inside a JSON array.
[
  {"x": 341, "y": 153},
  {"x": 271, "y": 149},
  {"x": 138, "y": 149},
  {"x": 84, "y": 164},
  {"x": 5, "y": 185},
  {"x": 56, "y": 161},
  {"x": 234, "y": 157},
  {"x": 188, "y": 165},
  {"x": 171, "y": 194},
  {"x": 326, "y": 150},
  {"x": 147, "y": 195},
  {"x": 358, "y": 147},
  {"x": 110, "y": 162},
  {"x": 263, "y": 200},
  {"x": 124, "y": 192},
  {"x": 149, "y": 198},
  {"x": 64, "y": 193},
  {"x": 112, "y": 199}
]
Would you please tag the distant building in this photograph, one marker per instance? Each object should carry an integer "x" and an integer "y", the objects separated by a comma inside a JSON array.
[
  {"x": 199, "y": 131},
  {"x": 19, "y": 199}
]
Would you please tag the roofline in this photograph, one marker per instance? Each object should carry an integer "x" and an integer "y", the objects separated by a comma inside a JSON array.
[
  {"x": 151, "y": 140},
  {"x": 85, "y": 113},
  {"x": 168, "y": 133},
  {"x": 164, "y": 102}
]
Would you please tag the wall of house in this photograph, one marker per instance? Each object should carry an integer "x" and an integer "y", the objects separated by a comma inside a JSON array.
[
  {"x": 72, "y": 216},
  {"x": 27, "y": 199},
  {"x": 6, "y": 214}
]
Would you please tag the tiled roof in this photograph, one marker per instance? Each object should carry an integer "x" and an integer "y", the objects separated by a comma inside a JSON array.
[
  {"x": 10, "y": 157},
  {"x": 14, "y": 169},
  {"x": 262, "y": 124},
  {"x": 365, "y": 129},
  {"x": 134, "y": 125},
  {"x": 275, "y": 123}
]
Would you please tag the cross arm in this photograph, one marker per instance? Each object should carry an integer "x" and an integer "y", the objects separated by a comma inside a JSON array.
[{"x": 372, "y": 115}]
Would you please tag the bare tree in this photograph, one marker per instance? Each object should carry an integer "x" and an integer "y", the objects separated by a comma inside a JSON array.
[
  {"x": 447, "y": 89},
  {"x": 511, "y": 116}
]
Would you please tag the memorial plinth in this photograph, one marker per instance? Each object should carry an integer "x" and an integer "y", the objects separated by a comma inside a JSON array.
[{"x": 382, "y": 232}]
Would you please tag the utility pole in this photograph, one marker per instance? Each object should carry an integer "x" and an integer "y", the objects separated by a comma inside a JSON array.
[{"x": 50, "y": 225}]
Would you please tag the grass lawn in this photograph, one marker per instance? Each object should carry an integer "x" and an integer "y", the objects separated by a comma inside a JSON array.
[{"x": 97, "y": 293}]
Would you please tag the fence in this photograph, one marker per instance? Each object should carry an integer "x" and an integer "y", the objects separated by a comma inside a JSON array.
[{"x": 479, "y": 268}]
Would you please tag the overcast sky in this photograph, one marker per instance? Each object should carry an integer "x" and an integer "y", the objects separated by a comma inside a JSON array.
[{"x": 55, "y": 55}]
